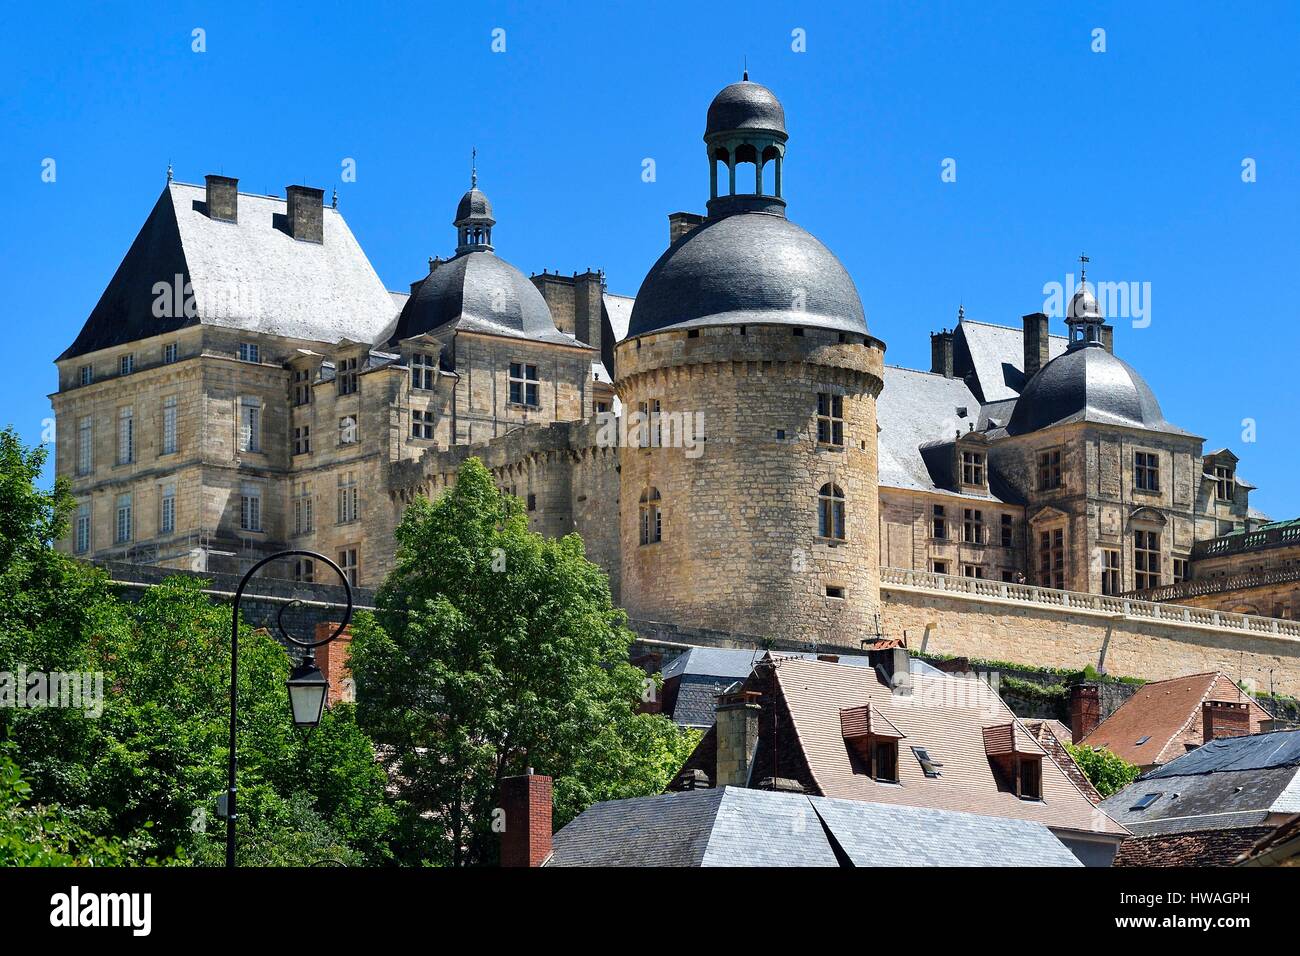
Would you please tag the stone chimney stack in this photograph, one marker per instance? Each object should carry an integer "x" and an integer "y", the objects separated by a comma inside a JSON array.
[
  {"x": 737, "y": 732},
  {"x": 681, "y": 223},
  {"x": 223, "y": 197},
  {"x": 306, "y": 213},
  {"x": 1108, "y": 337},
  {"x": 894, "y": 665},
  {"x": 1036, "y": 340},
  {"x": 560, "y": 293},
  {"x": 1085, "y": 710},
  {"x": 526, "y": 802},
  {"x": 588, "y": 303},
  {"x": 1223, "y": 718},
  {"x": 941, "y": 353}
]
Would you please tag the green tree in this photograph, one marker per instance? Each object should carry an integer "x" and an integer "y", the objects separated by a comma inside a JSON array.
[
  {"x": 1108, "y": 772},
  {"x": 493, "y": 649}
]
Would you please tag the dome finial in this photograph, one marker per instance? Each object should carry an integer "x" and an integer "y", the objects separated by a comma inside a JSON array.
[
  {"x": 473, "y": 167},
  {"x": 1083, "y": 268},
  {"x": 744, "y": 69}
]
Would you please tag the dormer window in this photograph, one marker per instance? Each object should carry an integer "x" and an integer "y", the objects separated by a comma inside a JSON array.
[
  {"x": 302, "y": 386},
  {"x": 1029, "y": 778},
  {"x": 424, "y": 369},
  {"x": 250, "y": 352},
  {"x": 347, "y": 376},
  {"x": 1017, "y": 758},
  {"x": 1224, "y": 482},
  {"x": 872, "y": 742},
  {"x": 972, "y": 468}
]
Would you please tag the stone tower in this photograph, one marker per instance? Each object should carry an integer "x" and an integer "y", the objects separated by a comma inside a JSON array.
[{"x": 749, "y": 380}]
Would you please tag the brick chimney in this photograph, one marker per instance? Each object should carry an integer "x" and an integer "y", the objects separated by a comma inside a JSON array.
[
  {"x": 737, "y": 735},
  {"x": 1036, "y": 339},
  {"x": 1085, "y": 710},
  {"x": 1224, "y": 718},
  {"x": 681, "y": 223},
  {"x": 305, "y": 210},
  {"x": 223, "y": 197},
  {"x": 526, "y": 802},
  {"x": 332, "y": 659},
  {"x": 941, "y": 353}
]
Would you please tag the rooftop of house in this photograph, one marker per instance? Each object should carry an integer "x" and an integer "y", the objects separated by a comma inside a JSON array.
[
  {"x": 1146, "y": 729},
  {"x": 732, "y": 826}
]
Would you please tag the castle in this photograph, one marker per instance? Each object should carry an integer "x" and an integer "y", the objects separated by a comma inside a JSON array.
[{"x": 729, "y": 443}]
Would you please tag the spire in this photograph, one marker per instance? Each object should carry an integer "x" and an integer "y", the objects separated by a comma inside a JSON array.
[
  {"x": 744, "y": 70},
  {"x": 473, "y": 167},
  {"x": 1083, "y": 269}
]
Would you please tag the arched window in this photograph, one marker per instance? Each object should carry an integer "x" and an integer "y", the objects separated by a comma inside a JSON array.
[
  {"x": 830, "y": 512},
  {"x": 651, "y": 517}
]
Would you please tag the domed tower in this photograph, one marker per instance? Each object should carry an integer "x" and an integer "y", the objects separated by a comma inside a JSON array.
[{"x": 749, "y": 380}]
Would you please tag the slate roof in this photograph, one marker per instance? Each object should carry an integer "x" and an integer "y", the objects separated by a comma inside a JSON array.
[
  {"x": 947, "y": 716},
  {"x": 250, "y": 275},
  {"x": 1228, "y": 783},
  {"x": 733, "y": 826},
  {"x": 745, "y": 105},
  {"x": 1164, "y": 711},
  {"x": 996, "y": 355}
]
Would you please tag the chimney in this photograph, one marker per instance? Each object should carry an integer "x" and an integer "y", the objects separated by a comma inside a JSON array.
[
  {"x": 1036, "y": 339},
  {"x": 737, "y": 735},
  {"x": 223, "y": 197},
  {"x": 561, "y": 298},
  {"x": 1224, "y": 718},
  {"x": 588, "y": 306},
  {"x": 893, "y": 666},
  {"x": 1085, "y": 710},
  {"x": 941, "y": 345},
  {"x": 526, "y": 803},
  {"x": 1108, "y": 338},
  {"x": 332, "y": 659},
  {"x": 306, "y": 213},
  {"x": 681, "y": 223}
]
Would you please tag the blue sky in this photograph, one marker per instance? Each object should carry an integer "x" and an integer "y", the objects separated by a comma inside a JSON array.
[{"x": 1133, "y": 155}]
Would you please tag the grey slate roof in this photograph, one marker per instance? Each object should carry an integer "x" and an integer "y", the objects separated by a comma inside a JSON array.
[
  {"x": 745, "y": 269},
  {"x": 745, "y": 105},
  {"x": 737, "y": 827},
  {"x": 996, "y": 355},
  {"x": 250, "y": 275},
  {"x": 1228, "y": 783}
]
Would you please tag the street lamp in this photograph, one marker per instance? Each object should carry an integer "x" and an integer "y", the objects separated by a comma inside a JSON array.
[{"x": 307, "y": 685}]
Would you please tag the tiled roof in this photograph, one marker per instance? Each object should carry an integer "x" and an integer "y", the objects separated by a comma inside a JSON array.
[
  {"x": 947, "y": 716},
  {"x": 1280, "y": 847},
  {"x": 1199, "y": 848},
  {"x": 738, "y": 827},
  {"x": 1164, "y": 711},
  {"x": 1054, "y": 735}
]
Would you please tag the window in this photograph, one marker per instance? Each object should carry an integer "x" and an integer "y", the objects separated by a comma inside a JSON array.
[
  {"x": 1029, "y": 778},
  {"x": 125, "y": 435},
  {"x": 929, "y": 766},
  {"x": 830, "y": 512},
  {"x": 972, "y": 571},
  {"x": 347, "y": 497},
  {"x": 939, "y": 567},
  {"x": 1182, "y": 572},
  {"x": 423, "y": 370},
  {"x": 1049, "y": 470},
  {"x": 651, "y": 517},
  {"x": 250, "y": 424},
  {"x": 302, "y": 439},
  {"x": 169, "y": 353},
  {"x": 523, "y": 385},
  {"x": 87, "y": 374},
  {"x": 972, "y": 526},
  {"x": 1146, "y": 559},
  {"x": 304, "y": 509},
  {"x": 532, "y": 502},
  {"x": 249, "y": 352},
  {"x": 938, "y": 526},
  {"x": 348, "y": 430},
  {"x": 1051, "y": 558},
  {"x": 126, "y": 364},
  {"x": 884, "y": 760},
  {"x": 167, "y": 510},
  {"x": 1146, "y": 471},
  {"x": 347, "y": 376},
  {"x": 1008, "y": 576},
  {"x": 830, "y": 419},
  {"x": 348, "y": 565},
  {"x": 1223, "y": 482},
  {"x": 169, "y": 425},
  {"x": 250, "y": 507},
  {"x": 1146, "y": 800},
  {"x": 1110, "y": 580},
  {"x": 125, "y": 524},
  {"x": 422, "y": 425},
  {"x": 648, "y": 434},
  {"x": 835, "y": 591},
  {"x": 302, "y": 386},
  {"x": 304, "y": 570},
  {"x": 82, "y": 543},
  {"x": 85, "y": 445},
  {"x": 1008, "y": 531},
  {"x": 972, "y": 468}
]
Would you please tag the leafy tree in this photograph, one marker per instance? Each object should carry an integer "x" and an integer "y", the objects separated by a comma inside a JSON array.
[
  {"x": 494, "y": 649},
  {"x": 1108, "y": 772}
]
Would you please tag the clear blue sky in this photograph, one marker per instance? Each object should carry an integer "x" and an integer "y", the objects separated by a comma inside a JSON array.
[{"x": 1132, "y": 155}]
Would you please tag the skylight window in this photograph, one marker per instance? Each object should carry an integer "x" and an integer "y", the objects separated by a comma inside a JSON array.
[
  {"x": 928, "y": 764},
  {"x": 1146, "y": 801},
  {"x": 1142, "y": 740}
]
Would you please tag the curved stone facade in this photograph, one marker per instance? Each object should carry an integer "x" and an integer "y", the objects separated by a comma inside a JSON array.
[{"x": 740, "y": 548}]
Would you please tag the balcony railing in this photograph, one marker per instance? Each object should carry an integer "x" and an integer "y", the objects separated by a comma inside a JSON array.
[
  {"x": 1124, "y": 607},
  {"x": 1229, "y": 582},
  {"x": 1287, "y": 534}
]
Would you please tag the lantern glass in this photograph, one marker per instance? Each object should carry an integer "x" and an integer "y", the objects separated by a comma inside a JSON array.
[{"x": 307, "y": 690}]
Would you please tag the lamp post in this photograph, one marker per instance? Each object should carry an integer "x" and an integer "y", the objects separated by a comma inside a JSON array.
[{"x": 307, "y": 685}]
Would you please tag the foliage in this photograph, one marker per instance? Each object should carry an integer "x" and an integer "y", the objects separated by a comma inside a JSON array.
[
  {"x": 1108, "y": 772},
  {"x": 494, "y": 649}
]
